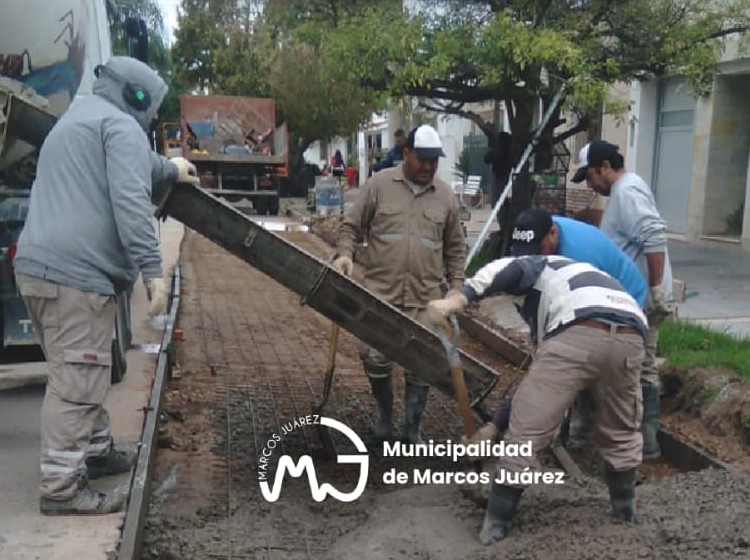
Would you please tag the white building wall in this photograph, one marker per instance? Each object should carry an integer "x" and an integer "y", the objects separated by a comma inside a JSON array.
[{"x": 641, "y": 136}]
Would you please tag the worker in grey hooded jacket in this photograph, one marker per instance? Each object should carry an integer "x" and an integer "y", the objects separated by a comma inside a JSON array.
[{"x": 88, "y": 235}]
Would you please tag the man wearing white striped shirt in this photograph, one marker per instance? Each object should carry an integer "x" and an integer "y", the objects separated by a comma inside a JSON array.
[{"x": 588, "y": 333}]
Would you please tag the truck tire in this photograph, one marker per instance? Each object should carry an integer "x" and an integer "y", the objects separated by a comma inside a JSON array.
[
  {"x": 261, "y": 205},
  {"x": 273, "y": 205}
]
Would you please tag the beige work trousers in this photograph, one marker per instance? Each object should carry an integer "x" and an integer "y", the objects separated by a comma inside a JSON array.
[
  {"x": 581, "y": 357},
  {"x": 378, "y": 365},
  {"x": 75, "y": 331}
]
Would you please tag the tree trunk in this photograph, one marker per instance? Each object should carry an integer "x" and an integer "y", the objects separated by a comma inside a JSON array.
[{"x": 300, "y": 178}]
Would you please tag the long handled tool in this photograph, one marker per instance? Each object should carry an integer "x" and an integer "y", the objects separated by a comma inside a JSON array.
[
  {"x": 462, "y": 396},
  {"x": 457, "y": 374},
  {"x": 329, "y": 446}
]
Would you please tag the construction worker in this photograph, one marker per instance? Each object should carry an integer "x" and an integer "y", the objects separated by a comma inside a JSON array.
[
  {"x": 88, "y": 235},
  {"x": 395, "y": 155},
  {"x": 409, "y": 219},
  {"x": 536, "y": 232},
  {"x": 588, "y": 332},
  {"x": 633, "y": 222}
]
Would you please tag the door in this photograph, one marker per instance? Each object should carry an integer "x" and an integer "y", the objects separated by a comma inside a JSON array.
[{"x": 674, "y": 150}]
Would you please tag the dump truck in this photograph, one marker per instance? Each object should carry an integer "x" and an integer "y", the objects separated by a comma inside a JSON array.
[
  {"x": 48, "y": 51},
  {"x": 236, "y": 147}
]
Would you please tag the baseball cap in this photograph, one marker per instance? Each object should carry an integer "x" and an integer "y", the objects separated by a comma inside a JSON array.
[
  {"x": 593, "y": 153},
  {"x": 426, "y": 142},
  {"x": 531, "y": 227}
]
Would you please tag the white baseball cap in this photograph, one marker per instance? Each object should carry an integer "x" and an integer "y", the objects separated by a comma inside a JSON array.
[{"x": 426, "y": 142}]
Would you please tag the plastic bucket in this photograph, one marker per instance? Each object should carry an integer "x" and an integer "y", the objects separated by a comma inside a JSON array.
[{"x": 327, "y": 197}]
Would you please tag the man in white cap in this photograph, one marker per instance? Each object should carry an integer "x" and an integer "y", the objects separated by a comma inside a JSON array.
[
  {"x": 633, "y": 222},
  {"x": 409, "y": 219}
]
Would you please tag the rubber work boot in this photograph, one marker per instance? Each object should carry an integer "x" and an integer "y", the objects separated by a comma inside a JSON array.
[
  {"x": 650, "y": 427},
  {"x": 622, "y": 493},
  {"x": 85, "y": 502},
  {"x": 120, "y": 459},
  {"x": 382, "y": 390},
  {"x": 415, "y": 397},
  {"x": 501, "y": 509},
  {"x": 582, "y": 425}
]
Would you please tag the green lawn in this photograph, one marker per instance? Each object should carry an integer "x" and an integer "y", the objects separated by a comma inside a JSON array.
[{"x": 686, "y": 344}]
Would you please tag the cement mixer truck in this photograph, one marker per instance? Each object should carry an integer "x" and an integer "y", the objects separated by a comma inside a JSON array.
[{"x": 48, "y": 51}]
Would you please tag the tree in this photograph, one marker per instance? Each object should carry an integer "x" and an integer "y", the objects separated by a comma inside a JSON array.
[
  {"x": 315, "y": 93},
  {"x": 522, "y": 53}
]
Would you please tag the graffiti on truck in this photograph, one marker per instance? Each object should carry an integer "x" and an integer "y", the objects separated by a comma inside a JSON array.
[{"x": 63, "y": 76}]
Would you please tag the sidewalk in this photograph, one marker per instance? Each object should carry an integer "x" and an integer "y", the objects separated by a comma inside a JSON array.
[
  {"x": 717, "y": 291},
  {"x": 25, "y": 534}
]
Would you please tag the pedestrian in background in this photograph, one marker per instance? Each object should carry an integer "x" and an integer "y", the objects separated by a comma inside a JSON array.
[
  {"x": 88, "y": 235},
  {"x": 633, "y": 222},
  {"x": 409, "y": 219},
  {"x": 395, "y": 155}
]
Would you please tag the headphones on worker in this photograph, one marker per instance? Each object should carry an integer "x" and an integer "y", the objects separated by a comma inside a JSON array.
[{"x": 134, "y": 94}]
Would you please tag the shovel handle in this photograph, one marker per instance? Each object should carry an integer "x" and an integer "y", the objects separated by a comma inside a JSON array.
[{"x": 457, "y": 373}]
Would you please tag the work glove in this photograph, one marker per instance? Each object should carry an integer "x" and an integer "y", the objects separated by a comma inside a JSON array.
[
  {"x": 344, "y": 265},
  {"x": 158, "y": 296},
  {"x": 659, "y": 308},
  {"x": 186, "y": 172},
  {"x": 439, "y": 310},
  {"x": 488, "y": 433}
]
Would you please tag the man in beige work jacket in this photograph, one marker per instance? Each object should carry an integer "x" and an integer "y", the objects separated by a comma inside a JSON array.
[{"x": 409, "y": 219}]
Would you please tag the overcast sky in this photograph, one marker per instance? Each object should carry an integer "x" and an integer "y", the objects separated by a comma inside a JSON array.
[{"x": 169, "y": 11}]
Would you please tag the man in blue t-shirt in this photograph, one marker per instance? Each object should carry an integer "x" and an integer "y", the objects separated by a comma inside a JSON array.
[{"x": 538, "y": 233}]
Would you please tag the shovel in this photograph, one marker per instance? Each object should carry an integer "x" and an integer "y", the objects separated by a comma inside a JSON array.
[
  {"x": 462, "y": 395},
  {"x": 329, "y": 446}
]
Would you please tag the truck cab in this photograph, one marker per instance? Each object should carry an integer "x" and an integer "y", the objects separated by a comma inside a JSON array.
[{"x": 48, "y": 51}]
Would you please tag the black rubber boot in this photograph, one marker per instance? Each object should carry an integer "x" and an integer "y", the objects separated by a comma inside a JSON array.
[
  {"x": 650, "y": 425},
  {"x": 382, "y": 390},
  {"x": 415, "y": 398},
  {"x": 622, "y": 493},
  {"x": 500, "y": 511}
]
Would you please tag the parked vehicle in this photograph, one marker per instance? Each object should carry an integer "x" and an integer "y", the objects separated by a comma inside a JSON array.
[
  {"x": 48, "y": 51},
  {"x": 236, "y": 147}
]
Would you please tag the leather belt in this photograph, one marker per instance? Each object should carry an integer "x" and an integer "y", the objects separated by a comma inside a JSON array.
[{"x": 609, "y": 327}]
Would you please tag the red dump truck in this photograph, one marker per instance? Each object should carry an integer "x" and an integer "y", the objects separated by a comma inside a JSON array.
[{"x": 236, "y": 147}]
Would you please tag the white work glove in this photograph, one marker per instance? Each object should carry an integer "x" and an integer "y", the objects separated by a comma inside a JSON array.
[
  {"x": 487, "y": 433},
  {"x": 659, "y": 308},
  {"x": 158, "y": 296},
  {"x": 186, "y": 171},
  {"x": 438, "y": 310},
  {"x": 344, "y": 265}
]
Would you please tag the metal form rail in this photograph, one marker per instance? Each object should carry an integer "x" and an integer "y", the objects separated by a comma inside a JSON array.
[
  {"x": 140, "y": 489},
  {"x": 332, "y": 294}
]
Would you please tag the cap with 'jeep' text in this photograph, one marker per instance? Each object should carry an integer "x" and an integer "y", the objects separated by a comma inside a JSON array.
[{"x": 531, "y": 227}]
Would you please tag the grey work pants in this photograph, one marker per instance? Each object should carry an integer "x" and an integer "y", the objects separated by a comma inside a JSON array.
[
  {"x": 609, "y": 364},
  {"x": 377, "y": 364},
  {"x": 75, "y": 331}
]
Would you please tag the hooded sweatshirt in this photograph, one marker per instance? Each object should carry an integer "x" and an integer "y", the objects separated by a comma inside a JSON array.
[{"x": 90, "y": 223}]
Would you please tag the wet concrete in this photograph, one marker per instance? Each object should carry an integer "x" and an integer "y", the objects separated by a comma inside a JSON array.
[{"x": 252, "y": 359}]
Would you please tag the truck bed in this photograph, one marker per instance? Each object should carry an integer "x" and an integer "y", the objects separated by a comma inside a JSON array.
[{"x": 237, "y": 159}]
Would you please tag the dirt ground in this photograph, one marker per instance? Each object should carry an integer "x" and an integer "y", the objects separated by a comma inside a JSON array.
[{"x": 252, "y": 360}]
